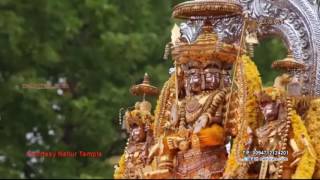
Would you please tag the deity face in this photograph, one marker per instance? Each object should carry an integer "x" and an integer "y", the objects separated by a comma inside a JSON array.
[
  {"x": 194, "y": 80},
  {"x": 226, "y": 75},
  {"x": 199, "y": 77},
  {"x": 270, "y": 110},
  {"x": 211, "y": 77},
  {"x": 137, "y": 133}
]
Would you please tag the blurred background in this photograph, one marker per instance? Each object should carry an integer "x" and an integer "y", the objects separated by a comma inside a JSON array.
[{"x": 94, "y": 49}]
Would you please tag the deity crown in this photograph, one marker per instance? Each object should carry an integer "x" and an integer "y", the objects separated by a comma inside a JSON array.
[{"x": 206, "y": 48}]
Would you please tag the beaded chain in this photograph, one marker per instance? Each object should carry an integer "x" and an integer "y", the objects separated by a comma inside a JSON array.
[{"x": 284, "y": 136}]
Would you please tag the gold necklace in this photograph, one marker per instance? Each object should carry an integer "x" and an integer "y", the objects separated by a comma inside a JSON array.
[{"x": 193, "y": 116}]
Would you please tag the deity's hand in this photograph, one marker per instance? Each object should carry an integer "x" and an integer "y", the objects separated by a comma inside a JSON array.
[
  {"x": 250, "y": 138},
  {"x": 154, "y": 151},
  {"x": 144, "y": 156},
  {"x": 297, "y": 153},
  {"x": 167, "y": 125},
  {"x": 158, "y": 174},
  {"x": 201, "y": 123},
  {"x": 173, "y": 142}
]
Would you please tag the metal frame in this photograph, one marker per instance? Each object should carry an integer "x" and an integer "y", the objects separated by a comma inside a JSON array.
[{"x": 300, "y": 31}]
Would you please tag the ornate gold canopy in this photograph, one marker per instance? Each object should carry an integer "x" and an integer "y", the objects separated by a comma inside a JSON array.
[{"x": 206, "y": 8}]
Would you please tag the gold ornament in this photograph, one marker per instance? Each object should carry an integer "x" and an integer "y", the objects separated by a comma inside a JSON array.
[
  {"x": 206, "y": 8},
  {"x": 203, "y": 49}
]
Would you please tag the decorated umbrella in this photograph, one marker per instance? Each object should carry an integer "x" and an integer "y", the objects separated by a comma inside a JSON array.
[
  {"x": 288, "y": 64},
  {"x": 144, "y": 89}
]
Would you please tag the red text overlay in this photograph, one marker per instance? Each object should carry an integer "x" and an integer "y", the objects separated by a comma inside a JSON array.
[{"x": 64, "y": 154}]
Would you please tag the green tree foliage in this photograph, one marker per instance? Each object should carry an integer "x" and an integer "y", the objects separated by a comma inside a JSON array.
[
  {"x": 100, "y": 48},
  {"x": 269, "y": 50}
]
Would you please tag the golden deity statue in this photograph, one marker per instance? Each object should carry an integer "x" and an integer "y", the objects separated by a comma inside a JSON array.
[
  {"x": 213, "y": 119},
  {"x": 194, "y": 144},
  {"x": 283, "y": 138},
  {"x": 138, "y": 123},
  {"x": 281, "y": 148},
  {"x": 193, "y": 128}
]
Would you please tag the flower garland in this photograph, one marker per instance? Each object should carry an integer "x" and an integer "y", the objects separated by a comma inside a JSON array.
[
  {"x": 141, "y": 117},
  {"x": 274, "y": 93},
  {"x": 305, "y": 167},
  {"x": 313, "y": 125},
  {"x": 159, "y": 112},
  {"x": 253, "y": 83},
  {"x": 119, "y": 172}
]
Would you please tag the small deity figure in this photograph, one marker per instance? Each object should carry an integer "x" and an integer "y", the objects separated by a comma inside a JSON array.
[
  {"x": 138, "y": 122},
  {"x": 282, "y": 143},
  {"x": 290, "y": 80},
  {"x": 140, "y": 139},
  {"x": 306, "y": 106}
]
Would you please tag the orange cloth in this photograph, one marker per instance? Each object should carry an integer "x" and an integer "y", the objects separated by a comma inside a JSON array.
[{"x": 211, "y": 136}]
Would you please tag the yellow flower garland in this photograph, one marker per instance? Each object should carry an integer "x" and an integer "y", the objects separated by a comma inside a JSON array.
[
  {"x": 145, "y": 117},
  {"x": 306, "y": 166},
  {"x": 313, "y": 125},
  {"x": 274, "y": 93},
  {"x": 119, "y": 172},
  {"x": 253, "y": 84}
]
